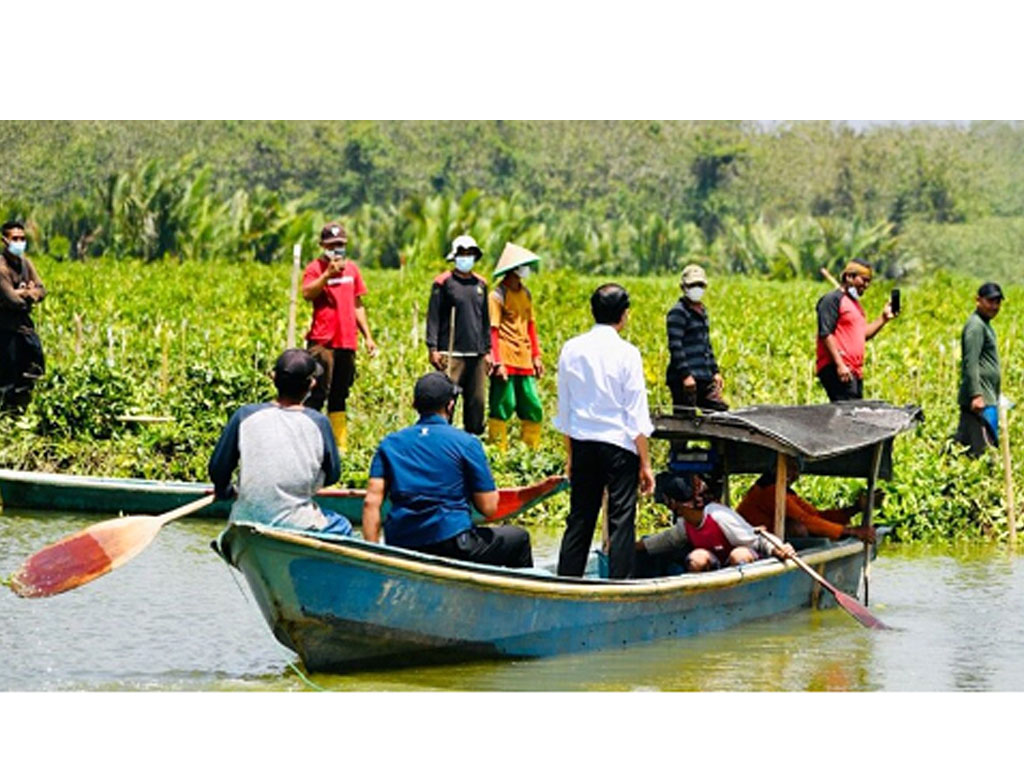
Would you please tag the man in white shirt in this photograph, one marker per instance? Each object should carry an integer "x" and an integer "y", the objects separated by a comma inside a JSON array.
[{"x": 602, "y": 411}]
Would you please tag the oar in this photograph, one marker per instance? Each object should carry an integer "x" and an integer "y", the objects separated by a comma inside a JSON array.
[
  {"x": 848, "y": 603},
  {"x": 88, "y": 554},
  {"x": 512, "y": 501}
]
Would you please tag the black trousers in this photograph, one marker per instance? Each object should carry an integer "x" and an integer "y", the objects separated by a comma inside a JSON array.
[
  {"x": 506, "y": 545},
  {"x": 596, "y": 466},
  {"x": 836, "y": 389},
  {"x": 339, "y": 375},
  {"x": 21, "y": 364}
]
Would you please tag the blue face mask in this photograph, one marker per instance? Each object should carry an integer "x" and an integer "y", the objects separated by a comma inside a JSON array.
[
  {"x": 464, "y": 263},
  {"x": 17, "y": 247}
]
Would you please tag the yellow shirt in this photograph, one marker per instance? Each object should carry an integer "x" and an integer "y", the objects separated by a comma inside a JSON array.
[{"x": 511, "y": 313}]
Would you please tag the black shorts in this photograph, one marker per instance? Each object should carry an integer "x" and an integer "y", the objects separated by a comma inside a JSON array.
[
  {"x": 335, "y": 384},
  {"x": 840, "y": 390}
]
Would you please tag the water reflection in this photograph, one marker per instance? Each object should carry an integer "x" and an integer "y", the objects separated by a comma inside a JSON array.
[{"x": 177, "y": 618}]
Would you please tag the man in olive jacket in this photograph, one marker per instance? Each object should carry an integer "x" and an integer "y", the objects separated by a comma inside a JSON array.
[
  {"x": 21, "y": 353},
  {"x": 979, "y": 374}
]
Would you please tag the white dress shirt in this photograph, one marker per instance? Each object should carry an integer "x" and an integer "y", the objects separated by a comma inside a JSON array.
[{"x": 602, "y": 394}]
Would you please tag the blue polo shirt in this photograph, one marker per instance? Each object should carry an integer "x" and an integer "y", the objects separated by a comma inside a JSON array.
[{"x": 431, "y": 470}]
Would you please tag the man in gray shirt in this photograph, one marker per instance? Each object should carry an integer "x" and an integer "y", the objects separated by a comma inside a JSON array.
[{"x": 286, "y": 451}]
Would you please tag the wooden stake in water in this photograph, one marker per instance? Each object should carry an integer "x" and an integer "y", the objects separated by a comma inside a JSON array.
[
  {"x": 1004, "y": 444},
  {"x": 293, "y": 301}
]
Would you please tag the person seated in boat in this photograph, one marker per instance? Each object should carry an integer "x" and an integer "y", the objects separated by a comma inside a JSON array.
[
  {"x": 287, "y": 453},
  {"x": 802, "y": 517},
  {"x": 432, "y": 473},
  {"x": 715, "y": 534}
]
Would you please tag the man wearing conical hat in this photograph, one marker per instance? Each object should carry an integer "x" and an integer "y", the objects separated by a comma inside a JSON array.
[
  {"x": 842, "y": 332},
  {"x": 516, "y": 350}
]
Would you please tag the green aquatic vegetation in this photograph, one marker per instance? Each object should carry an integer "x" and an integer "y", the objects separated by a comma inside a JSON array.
[{"x": 195, "y": 340}]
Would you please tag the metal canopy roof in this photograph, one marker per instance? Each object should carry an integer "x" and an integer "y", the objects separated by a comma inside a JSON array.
[{"x": 832, "y": 439}]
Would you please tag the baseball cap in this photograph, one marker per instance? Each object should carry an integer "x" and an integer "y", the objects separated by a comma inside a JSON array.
[
  {"x": 693, "y": 274},
  {"x": 669, "y": 485},
  {"x": 294, "y": 367},
  {"x": 463, "y": 243},
  {"x": 990, "y": 291},
  {"x": 433, "y": 391},
  {"x": 333, "y": 234}
]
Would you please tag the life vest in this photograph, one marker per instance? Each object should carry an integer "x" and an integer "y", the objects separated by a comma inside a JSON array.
[{"x": 710, "y": 537}]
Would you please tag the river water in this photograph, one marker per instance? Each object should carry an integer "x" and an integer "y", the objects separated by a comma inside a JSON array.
[{"x": 177, "y": 619}]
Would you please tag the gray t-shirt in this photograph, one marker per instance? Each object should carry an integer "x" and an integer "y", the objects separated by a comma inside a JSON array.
[{"x": 286, "y": 456}]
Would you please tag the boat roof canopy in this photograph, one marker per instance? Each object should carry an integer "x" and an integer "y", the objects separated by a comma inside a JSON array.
[{"x": 836, "y": 439}]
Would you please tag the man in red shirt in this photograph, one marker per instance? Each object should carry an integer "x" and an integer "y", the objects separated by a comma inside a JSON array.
[
  {"x": 843, "y": 331},
  {"x": 333, "y": 284}
]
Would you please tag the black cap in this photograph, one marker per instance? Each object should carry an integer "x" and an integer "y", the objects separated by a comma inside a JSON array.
[
  {"x": 669, "y": 485},
  {"x": 433, "y": 391},
  {"x": 990, "y": 291},
  {"x": 295, "y": 366}
]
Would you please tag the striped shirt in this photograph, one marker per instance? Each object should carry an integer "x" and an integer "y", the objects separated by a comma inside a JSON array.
[{"x": 689, "y": 343}]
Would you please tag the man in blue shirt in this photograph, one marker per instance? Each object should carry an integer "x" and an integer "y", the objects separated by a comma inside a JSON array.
[
  {"x": 287, "y": 453},
  {"x": 430, "y": 472}
]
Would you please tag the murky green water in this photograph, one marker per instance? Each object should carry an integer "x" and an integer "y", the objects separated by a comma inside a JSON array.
[{"x": 177, "y": 618}]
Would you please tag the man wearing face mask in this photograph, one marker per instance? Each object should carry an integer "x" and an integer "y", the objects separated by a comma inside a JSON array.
[
  {"x": 21, "y": 352},
  {"x": 470, "y": 362},
  {"x": 434, "y": 475},
  {"x": 843, "y": 331},
  {"x": 335, "y": 287},
  {"x": 692, "y": 376},
  {"x": 286, "y": 451},
  {"x": 516, "y": 351}
]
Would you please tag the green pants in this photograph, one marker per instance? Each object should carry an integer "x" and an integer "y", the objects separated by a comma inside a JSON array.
[{"x": 517, "y": 395}]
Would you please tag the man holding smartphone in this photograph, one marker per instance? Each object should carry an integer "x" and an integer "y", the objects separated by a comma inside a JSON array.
[
  {"x": 334, "y": 286},
  {"x": 843, "y": 331}
]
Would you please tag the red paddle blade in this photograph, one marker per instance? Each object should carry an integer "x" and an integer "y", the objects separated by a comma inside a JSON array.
[
  {"x": 859, "y": 612},
  {"x": 83, "y": 556},
  {"x": 514, "y": 500}
]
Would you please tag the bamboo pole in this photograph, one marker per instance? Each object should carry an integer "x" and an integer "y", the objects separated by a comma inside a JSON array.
[
  {"x": 780, "y": 495},
  {"x": 293, "y": 300},
  {"x": 1011, "y": 506}
]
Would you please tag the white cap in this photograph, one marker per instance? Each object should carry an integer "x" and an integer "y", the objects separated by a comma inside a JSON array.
[{"x": 465, "y": 242}]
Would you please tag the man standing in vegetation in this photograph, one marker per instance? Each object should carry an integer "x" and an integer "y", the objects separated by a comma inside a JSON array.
[
  {"x": 843, "y": 331},
  {"x": 603, "y": 413},
  {"x": 980, "y": 374},
  {"x": 286, "y": 451},
  {"x": 692, "y": 376},
  {"x": 463, "y": 352},
  {"x": 516, "y": 350},
  {"x": 21, "y": 352},
  {"x": 335, "y": 287}
]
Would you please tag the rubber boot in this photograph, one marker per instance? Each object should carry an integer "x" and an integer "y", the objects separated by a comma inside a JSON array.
[
  {"x": 339, "y": 425},
  {"x": 497, "y": 432},
  {"x": 531, "y": 433}
]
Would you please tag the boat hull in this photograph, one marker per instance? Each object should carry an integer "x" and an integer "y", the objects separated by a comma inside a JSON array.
[{"x": 346, "y": 604}]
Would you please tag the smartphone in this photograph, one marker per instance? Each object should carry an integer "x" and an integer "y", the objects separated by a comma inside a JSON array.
[{"x": 894, "y": 301}]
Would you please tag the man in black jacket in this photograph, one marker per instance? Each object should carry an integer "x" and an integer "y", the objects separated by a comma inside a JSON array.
[
  {"x": 21, "y": 353},
  {"x": 692, "y": 376},
  {"x": 469, "y": 364}
]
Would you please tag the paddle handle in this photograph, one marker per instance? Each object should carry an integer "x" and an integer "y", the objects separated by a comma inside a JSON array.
[
  {"x": 186, "y": 509},
  {"x": 776, "y": 542}
]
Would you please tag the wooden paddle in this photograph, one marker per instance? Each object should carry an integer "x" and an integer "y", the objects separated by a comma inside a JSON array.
[
  {"x": 88, "y": 554},
  {"x": 846, "y": 602}
]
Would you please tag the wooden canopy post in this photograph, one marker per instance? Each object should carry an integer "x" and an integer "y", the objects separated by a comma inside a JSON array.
[
  {"x": 869, "y": 508},
  {"x": 1011, "y": 504},
  {"x": 780, "y": 495}
]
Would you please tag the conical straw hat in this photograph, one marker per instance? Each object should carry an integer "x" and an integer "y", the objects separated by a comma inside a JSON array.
[{"x": 514, "y": 256}]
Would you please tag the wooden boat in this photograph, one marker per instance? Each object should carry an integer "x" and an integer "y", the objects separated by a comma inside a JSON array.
[
  {"x": 342, "y": 604},
  {"x": 112, "y": 496}
]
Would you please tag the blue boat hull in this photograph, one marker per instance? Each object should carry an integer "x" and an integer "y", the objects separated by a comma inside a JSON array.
[{"x": 343, "y": 604}]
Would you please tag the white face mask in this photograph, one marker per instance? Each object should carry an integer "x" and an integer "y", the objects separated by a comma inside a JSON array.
[
  {"x": 854, "y": 293},
  {"x": 694, "y": 293},
  {"x": 17, "y": 248},
  {"x": 464, "y": 263},
  {"x": 523, "y": 271}
]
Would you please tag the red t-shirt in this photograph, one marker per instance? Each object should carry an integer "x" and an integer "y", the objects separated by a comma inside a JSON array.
[
  {"x": 843, "y": 318},
  {"x": 334, "y": 310}
]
